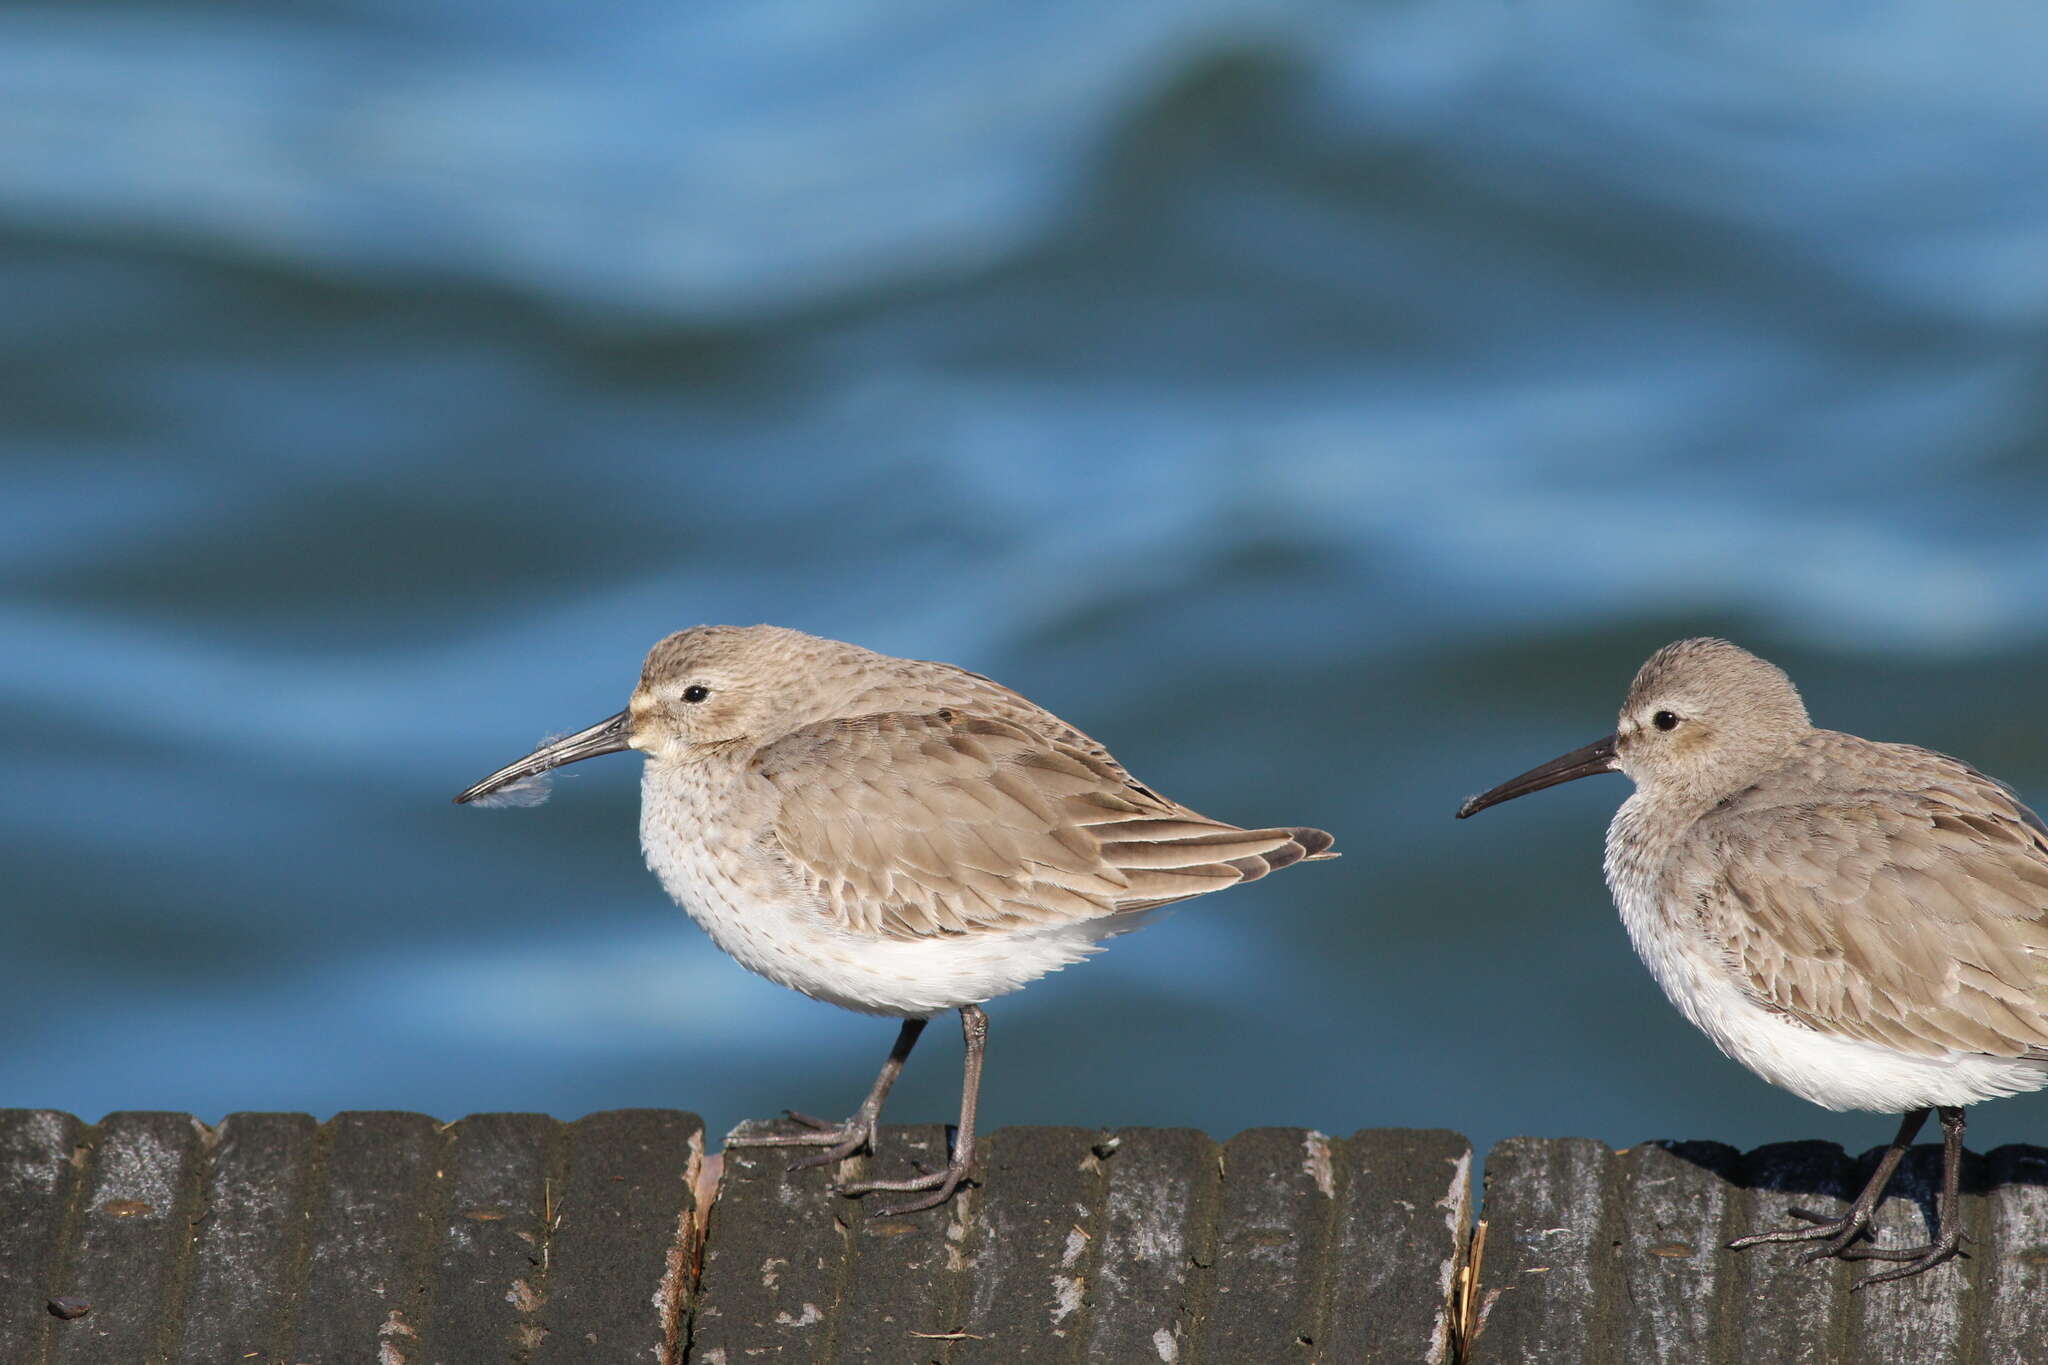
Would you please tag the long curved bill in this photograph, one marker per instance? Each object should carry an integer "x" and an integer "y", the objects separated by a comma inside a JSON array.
[
  {"x": 608, "y": 736},
  {"x": 1597, "y": 757}
]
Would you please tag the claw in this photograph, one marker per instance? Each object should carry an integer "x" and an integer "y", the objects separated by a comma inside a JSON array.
[
  {"x": 1843, "y": 1230},
  {"x": 940, "y": 1185},
  {"x": 861, "y": 1187},
  {"x": 1822, "y": 1253},
  {"x": 1917, "y": 1259},
  {"x": 930, "y": 1201},
  {"x": 842, "y": 1139},
  {"x": 836, "y": 1153},
  {"x": 941, "y": 1182}
]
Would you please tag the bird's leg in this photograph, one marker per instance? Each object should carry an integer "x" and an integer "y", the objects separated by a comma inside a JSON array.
[
  {"x": 842, "y": 1140},
  {"x": 941, "y": 1184},
  {"x": 1838, "y": 1233},
  {"x": 1947, "y": 1211}
]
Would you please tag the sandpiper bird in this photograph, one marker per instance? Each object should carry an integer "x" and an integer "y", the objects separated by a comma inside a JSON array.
[
  {"x": 895, "y": 836},
  {"x": 1864, "y": 924}
]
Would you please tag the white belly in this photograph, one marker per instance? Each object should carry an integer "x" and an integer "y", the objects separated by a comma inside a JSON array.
[
  {"x": 1829, "y": 1069},
  {"x": 775, "y": 927}
]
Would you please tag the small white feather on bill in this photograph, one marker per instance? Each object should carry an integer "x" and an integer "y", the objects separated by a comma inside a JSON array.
[{"x": 531, "y": 790}]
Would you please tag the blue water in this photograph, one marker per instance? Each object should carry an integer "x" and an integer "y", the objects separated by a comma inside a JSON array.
[{"x": 1325, "y": 405}]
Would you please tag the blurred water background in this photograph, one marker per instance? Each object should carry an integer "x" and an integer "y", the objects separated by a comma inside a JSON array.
[{"x": 1327, "y": 405}]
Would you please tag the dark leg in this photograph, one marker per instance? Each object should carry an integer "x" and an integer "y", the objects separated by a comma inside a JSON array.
[
  {"x": 941, "y": 1184},
  {"x": 1837, "y": 1233},
  {"x": 1947, "y": 1211},
  {"x": 844, "y": 1139}
]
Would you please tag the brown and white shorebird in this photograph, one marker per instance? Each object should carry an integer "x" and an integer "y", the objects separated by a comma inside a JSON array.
[
  {"x": 1864, "y": 924},
  {"x": 896, "y": 836}
]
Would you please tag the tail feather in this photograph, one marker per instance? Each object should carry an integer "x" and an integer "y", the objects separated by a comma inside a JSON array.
[
  {"x": 1175, "y": 869},
  {"x": 1303, "y": 845},
  {"x": 1315, "y": 843}
]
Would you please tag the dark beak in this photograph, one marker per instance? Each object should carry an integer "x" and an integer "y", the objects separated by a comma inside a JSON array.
[
  {"x": 1597, "y": 757},
  {"x": 608, "y": 736}
]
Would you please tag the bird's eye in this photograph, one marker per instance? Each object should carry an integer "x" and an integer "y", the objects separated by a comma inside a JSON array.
[
  {"x": 1664, "y": 720},
  {"x": 696, "y": 692}
]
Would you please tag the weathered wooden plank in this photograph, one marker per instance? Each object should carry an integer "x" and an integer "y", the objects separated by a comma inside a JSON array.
[
  {"x": 1790, "y": 1312},
  {"x": 1633, "y": 1265},
  {"x": 623, "y": 1232},
  {"x": 1553, "y": 1222},
  {"x": 38, "y": 1180},
  {"x": 907, "y": 1274},
  {"x": 362, "y": 1296},
  {"x": 2009, "y": 1268},
  {"x": 250, "y": 1235},
  {"x": 1029, "y": 1245},
  {"x": 1678, "y": 1200},
  {"x": 1155, "y": 1243},
  {"x": 128, "y": 1243},
  {"x": 1279, "y": 1199},
  {"x": 775, "y": 1259},
  {"x": 1403, "y": 1209},
  {"x": 488, "y": 1282},
  {"x": 1925, "y": 1318},
  {"x": 510, "y": 1238}
]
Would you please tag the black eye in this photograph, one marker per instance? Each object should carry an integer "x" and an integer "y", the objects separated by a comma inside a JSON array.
[
  {"x": 1663, "y": 720},
  {"x": 696, "y": 692}
]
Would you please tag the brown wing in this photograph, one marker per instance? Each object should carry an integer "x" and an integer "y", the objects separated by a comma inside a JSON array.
[
  {"x": 911, "y": 825},
  {"x": 962, "y": 690},
  {"x": 1914, "y": 918}
]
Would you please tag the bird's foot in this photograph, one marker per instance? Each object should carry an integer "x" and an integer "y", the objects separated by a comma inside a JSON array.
[
  {"x": 1839, "y": 1235},
  {"x": 1946, "y": 1247},
  {"x": 938, "y": 1187},
  {"x": 840, "y": 1140}
]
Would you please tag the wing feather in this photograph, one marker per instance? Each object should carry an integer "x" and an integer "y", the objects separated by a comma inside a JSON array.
[
  {"x": 911, "y": 825},
  {"x": 1915, "y": 915}
]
